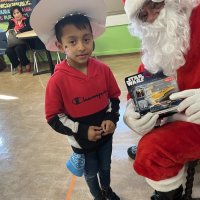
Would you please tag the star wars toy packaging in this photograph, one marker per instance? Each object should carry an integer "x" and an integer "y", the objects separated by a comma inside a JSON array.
[{"x": 150, "y": 93}]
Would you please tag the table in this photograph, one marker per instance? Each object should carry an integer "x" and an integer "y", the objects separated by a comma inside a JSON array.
[
  {"x": 27, "y": 34},
  {"x": 31, "y": 35}
]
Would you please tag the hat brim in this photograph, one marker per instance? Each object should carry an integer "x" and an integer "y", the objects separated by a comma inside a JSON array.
[
  {"x": 48, "y": 12},
  {"x": 132, "y": 6}
]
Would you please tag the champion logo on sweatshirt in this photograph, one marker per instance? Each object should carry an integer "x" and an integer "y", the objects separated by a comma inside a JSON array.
[{"x": 79, "y": 100}]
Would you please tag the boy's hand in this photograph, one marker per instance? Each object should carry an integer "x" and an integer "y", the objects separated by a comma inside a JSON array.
[
  {"x": 94, "y": 133},
  {"x": 108, "y": 127}
]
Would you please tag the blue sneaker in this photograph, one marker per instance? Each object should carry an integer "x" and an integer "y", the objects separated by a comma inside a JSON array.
[{"x": 76, "y": 164}]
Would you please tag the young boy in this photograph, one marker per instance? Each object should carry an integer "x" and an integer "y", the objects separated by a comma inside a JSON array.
[{"x": 82, "y": 96}]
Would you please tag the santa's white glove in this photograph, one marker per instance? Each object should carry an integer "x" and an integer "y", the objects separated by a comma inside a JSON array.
[
  {"x": 140, "y": 125},
  {"x": 190, "y": 105}
]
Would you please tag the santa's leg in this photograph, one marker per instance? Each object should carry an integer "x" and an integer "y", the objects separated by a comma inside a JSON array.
[
  {"x": 162, "y": 154},
  {"x": 169, "y": 189}
]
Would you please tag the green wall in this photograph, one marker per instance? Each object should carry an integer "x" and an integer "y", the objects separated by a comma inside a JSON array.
[
  {"x": 4, "y": 26},
  {"x": 116, "y": 40}
]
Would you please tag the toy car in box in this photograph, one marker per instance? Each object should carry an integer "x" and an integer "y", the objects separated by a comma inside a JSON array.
[{"x": 150, "y": 93}]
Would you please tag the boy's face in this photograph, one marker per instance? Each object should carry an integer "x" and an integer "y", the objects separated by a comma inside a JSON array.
[{"x": 77, "y": 44}]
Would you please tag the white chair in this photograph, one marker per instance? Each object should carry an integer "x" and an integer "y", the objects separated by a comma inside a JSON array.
[
  {"x": 13, "y": 70},
  {"x": 37, "y": 48},
  {"x": 35, "y": 62}
]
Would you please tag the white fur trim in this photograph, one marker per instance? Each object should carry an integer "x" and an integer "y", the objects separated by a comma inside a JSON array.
[
  {"x": 196, "y": 2},
  {"x": 132, "y": 6},
  {"x": 168, "y": 184}
]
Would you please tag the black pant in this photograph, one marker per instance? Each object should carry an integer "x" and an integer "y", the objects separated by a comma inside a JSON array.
[{"x": 17, "y": 55}]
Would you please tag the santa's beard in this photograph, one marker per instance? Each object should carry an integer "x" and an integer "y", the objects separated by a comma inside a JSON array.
[{"x": 166, "y": 40}]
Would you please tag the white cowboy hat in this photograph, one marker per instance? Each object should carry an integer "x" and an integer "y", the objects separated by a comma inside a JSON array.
[
  {"x": 47, "y": 13},
  {"x": 132, "y": 6}
]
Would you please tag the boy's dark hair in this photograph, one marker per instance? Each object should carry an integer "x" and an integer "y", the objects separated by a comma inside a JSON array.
[
  {"x": 78, "y": 20},
  {"x": 14, "y": 8}
]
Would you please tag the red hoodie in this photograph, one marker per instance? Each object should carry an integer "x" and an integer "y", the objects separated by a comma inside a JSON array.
[{"x": 86, "y": 100}]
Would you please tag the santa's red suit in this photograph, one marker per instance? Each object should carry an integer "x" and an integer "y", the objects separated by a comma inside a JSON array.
[{"x": 163, "y": 152}]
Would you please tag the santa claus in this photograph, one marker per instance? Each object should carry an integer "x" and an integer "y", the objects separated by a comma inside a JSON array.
[{"x": 169, "y": 31}]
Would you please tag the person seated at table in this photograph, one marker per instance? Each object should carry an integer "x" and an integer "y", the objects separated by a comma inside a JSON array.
[{"x": 17, "y": 54}]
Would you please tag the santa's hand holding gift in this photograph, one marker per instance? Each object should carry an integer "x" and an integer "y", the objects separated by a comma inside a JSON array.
[
  {"x": 190, "y": 105},
  {"x": 169, "y": 31},
  {"x": 140, "y": 125}
]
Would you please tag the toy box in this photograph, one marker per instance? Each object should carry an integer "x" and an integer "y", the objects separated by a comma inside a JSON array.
[{"x": 150, "y": 93}]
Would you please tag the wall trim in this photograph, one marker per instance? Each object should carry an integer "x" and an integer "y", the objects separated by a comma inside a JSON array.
[{"x": 116, "y": 20}]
